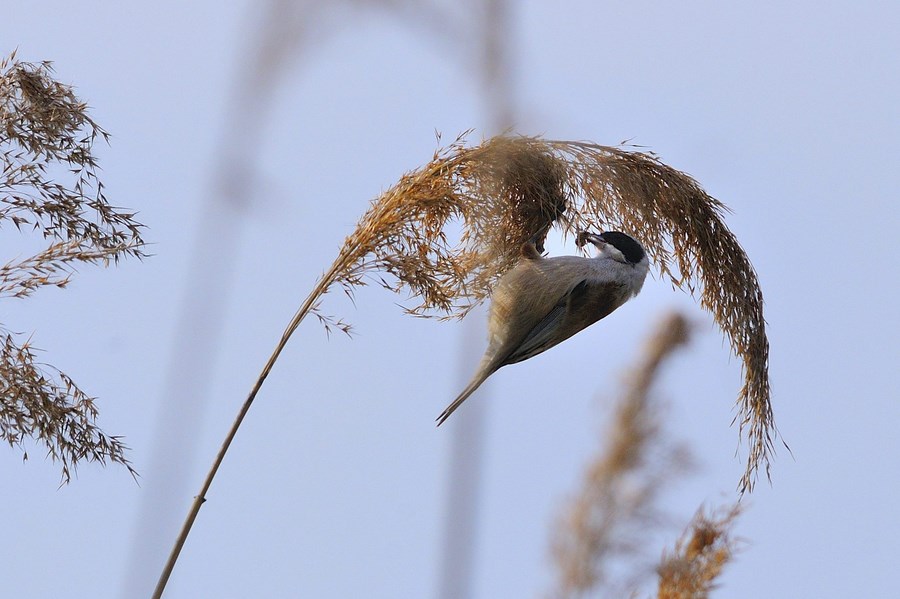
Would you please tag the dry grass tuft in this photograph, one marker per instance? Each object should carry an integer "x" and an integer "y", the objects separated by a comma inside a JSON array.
[
  {"x": 504, "y": 193},
  {"x": 38, "y": 401},
  {"x": 49, "y": 184},
  {"x": 508, "y": 190},
  {"x": 607, "y": 522},
  {"x": 700, "y": 556},
  {"x": 683, "y": 229}
]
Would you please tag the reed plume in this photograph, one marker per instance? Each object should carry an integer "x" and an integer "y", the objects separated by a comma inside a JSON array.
[
  {"x": 683, "y": 229},
  {"x": 49, "y": 184},
  {"x": 604, "y": 528},
  {"x": 509, "y": 190},
  {"x": 700, "y": 555}
]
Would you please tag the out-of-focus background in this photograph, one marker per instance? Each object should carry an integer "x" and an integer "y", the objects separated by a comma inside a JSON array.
[{"x": 251, "y": 136}]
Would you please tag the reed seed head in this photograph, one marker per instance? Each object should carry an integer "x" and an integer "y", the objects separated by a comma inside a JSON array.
[
  {"x": 49, "y": 184},
  {"x": 604, "y": 528},
  {"x": 700, "y": 556},
  {"x": 509, "y": 190}
]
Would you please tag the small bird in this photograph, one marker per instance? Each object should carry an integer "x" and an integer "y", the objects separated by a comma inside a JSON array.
[{"x": 544, "y": 301}]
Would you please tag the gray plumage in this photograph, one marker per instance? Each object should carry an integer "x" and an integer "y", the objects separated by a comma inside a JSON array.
[{"x": 543, "y": 301}]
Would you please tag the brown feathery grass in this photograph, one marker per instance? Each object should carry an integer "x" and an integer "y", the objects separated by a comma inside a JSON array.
[
  {"x": 49, "y": 184},
  {"x": 683, "y": 229},
  {"x": 512, "y": 189},
  {"x": 607, "y": 522},
  {"x": 691, "y": 570}
]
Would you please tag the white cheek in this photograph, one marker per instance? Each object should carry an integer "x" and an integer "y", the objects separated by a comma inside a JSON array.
[{"x": 615, "y": 254}]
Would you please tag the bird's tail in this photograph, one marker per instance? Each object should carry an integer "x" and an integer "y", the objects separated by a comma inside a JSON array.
[{"x": 479, "y": 378}]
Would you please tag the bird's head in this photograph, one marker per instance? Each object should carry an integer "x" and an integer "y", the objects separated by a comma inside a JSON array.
[{"x": 614, "y": 245}]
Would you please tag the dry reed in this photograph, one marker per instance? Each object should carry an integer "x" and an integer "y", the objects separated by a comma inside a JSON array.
[
  {"x": 511, "y": 189},
  {"x": 49, "y": 184},
  {"x": 606, "y": 524},
  {"x": 508, "y": 190},
  {"x": 690, "y": 572}
]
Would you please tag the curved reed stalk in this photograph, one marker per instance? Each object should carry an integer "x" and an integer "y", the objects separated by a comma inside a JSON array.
[{"x": 510, "y": 189}]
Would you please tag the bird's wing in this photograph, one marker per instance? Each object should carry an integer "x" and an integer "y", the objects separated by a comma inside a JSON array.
[
  {"x": 586, "y": 303},
  {"x": 539, "y": 337}
]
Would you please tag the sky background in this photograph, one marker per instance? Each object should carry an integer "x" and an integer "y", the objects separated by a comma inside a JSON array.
[{"x": 336, "y": 484}]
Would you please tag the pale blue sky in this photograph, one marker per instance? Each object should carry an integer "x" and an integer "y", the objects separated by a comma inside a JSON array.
[{"x": 335, "y": 486}]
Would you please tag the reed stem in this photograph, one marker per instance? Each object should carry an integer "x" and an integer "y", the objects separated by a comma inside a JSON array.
[{"x": 320, "y": 289}]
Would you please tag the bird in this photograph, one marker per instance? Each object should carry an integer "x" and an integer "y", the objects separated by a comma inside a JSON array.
[{"x": 543, "y": 301}]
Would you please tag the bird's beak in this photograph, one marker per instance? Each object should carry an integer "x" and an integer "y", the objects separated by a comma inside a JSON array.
[{"x": 585, "y": 237}]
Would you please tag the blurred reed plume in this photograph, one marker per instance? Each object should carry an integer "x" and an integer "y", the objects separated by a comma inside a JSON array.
[
  {"x": 690, "y": 572},
  {"x": 604, "y": 529},
  {"x": 49, "y": 184},
  {"x": 512, "y": 189}
]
